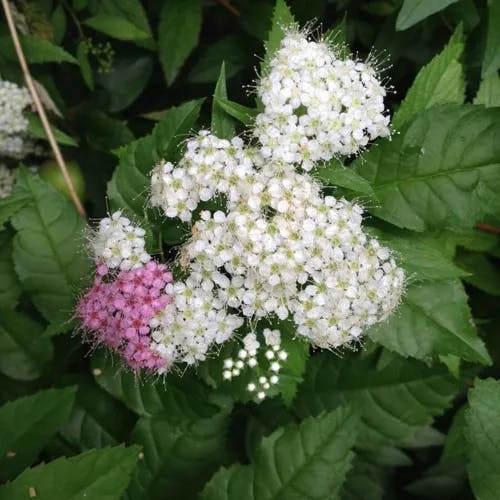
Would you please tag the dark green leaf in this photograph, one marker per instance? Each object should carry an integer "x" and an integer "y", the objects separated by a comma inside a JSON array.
[
  {"x": 394, "y": 402},
  {"x": 85, "y": 67},
  {"x": 178, "y": 32},
  {"x": 365, "y": 481},
  {"x": 440, "y": 172},
  {"x": 242, "y": 113},
  {"x": 433, "y": 320},
  {"x": 36, "y": 50},
  {"x": 491, "y": 62},
  {"x": 489, "y": 92},
  {"x": 297, "y": 462},
  {"x": 10, "y": 205},
  {"x": 97, "y": 474},
  {"x": 10, "y": 289},
  {"x": 483, "y": 439},
  {"x": 222, "y": 125},
  {"x": 49, "y": 249},
  {"x": 103, "y": 132},
  {"x": 116, "y": 27},
  {"x": 31, "y": 421},
  {"x": 35, "y": 128},
  {"x": 414, "y": 11},
  {"x": 442, "y": 81},
  {"x": 129, "y": 185},
  {"x": 483, "y": 273},
  {"x": 58, "y": 21}
]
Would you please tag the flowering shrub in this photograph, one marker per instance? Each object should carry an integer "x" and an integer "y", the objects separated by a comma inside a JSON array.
[{"x": 286, "y": 288}]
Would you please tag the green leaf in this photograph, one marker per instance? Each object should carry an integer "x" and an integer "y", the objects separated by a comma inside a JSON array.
[
  {"x": 491, "y": 61},
  {"x": 178, "y": 33},
  {"x": 483, "y": 273},
  {"x": 58, "y": 21},
  {"x": 185, "y": 395},
  {"x": 23, "y": 349},
  {"x": 97, "y": 474},
  {"x": 281, "y": 21},
  {"x": 129, "y": 186},
  {"x": 394, "y": 402},
  {"x": 10, "y": 289},
  {"x": 116, "y": 27},
  {"x": 305, "y": 461},
  {"x": 10, "y": 205},
  {"x": 222, "y": 125},
  {"x": 414, "y": 11},
  {"x": 242, "y": 113},
  {"x": 233, "y": 50},
  {"x": 433, "y": 320},
  {"x": 36, "y": 50},
  {"x": 31, "y": 421},
  {"x": 97, "y": 419},
  {"x": 421, "y": 256},
  {"x": 181, "y": 452},
  {"x": 440, "y": 172},
  {"x": 365, "y": 481},
  {"x": 35, "y": 128},
  {"x": 49, "y": 248},
  {"x": 85, "y": 68},
  {"x": 334, "y": 173},
  {"x": 441, "y": 81},
  {"x": 483, "y": 437},
  {"x": 489, "y": 92},
  {"x": 136, "y": 71}
]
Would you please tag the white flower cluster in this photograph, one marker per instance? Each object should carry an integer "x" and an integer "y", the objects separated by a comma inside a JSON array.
[
  {"x": 14, "y": 142},
  {"x": 119, "y": 244},
  {"x": 247, "y": 358},
  {"x": 278, "y": 247},
  {"x": 7, "y": 180},
  {"x": 317, "y": 105}
]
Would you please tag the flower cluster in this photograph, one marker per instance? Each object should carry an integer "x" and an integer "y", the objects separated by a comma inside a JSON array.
[
  {"x": 7, "y": 180},
  {"x": 14, "y": 141},
  {"x": 247, "y": 358},
  {"x": 119, "y": 244},
  {"x": 119, "y": 312},
  {"x": 317, "y": 105}
]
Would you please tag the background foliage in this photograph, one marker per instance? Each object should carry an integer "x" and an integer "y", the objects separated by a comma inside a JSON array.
[{"x": 415, "y": 414}]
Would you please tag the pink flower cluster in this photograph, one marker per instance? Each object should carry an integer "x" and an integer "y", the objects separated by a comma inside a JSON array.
[{"x": 117, "y": 311}]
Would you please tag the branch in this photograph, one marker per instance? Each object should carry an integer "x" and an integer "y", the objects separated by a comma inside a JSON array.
[
  {"x": 488, "y": 228},
  {"x": 39, "y": 107}
]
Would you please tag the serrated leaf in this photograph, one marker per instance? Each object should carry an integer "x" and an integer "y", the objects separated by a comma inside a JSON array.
[
  {"x": 49, "y": 250},
  {"x": 97, "y": 419},
  {"x": 178, "y": 33},
  {"x": 440, "y": 172},
  {"x": 176, "y": 394},
  {"x": 11, "y": 205},
  {"x": 414, "y": 11},
  {"x": 421, "y": 256},
  {"x": 441, "y": 81},
  {"x": 483, "y": 438},
  {"x": 281, "y": 21},
  {"x": 10, "y": 289},
  {"x": 483, "y": 273},
  {"x": 222, "y": 125},
  {"x": 36, "y": 50},
  {"x": 116, "y": 27},
  {"x": 365, "y": 481},
  {"x": 491, "y": 61},
  {"x": 433, "y": 320},
  {"x": 129, "y": 186},
  {"x": 489, "y": 92},
  {"x": 394, "y": 402},
  {"x": 296, "y": 462},
  {"x": 243, "y": 114},
  {"x": 97, "y": 474},
  {"x": 31, "y": 421},
  {"x": 23, "y": 349},
  {"x": 180, "y": 454},
  {"x": 35, "y": 129}
]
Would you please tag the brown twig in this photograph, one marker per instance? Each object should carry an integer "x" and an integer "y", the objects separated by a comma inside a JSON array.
[
  {"x": 231, "y": 8},
  {"x": 39, "y": 107},
  {"x": 488, "y": 228}
]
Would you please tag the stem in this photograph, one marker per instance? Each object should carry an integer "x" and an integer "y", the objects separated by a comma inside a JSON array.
[
  {"x": 74, "y": 18},
  {"x": 488, "y": 228},
  {"x": 231, "y": 8},
  {"x": 39, "y": 107}
]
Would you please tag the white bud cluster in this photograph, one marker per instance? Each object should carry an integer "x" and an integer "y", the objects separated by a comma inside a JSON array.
[
  {"x": 119, "y": 244},
  {"x": 14, "y": 100},
  {"x": 265, "y": 377},
  {"x": 7, "y": 180},
  {"x": 317, "y": 105}
]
